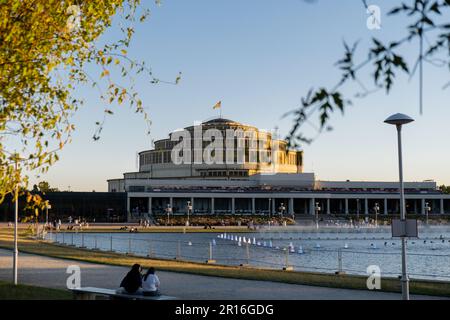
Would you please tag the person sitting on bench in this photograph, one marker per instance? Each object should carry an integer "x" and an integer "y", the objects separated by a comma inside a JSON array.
[
  {"x": 133, "y": 281},
  {"x": 150, "y": 283}
]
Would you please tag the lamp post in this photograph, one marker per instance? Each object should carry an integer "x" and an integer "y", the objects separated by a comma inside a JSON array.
[
  {"x": 16, "y": 218},
  {"x": 317, "y": 209},
  {"x": 357, "y": 210},
  {"x": 376, "y": 208},
  {"x": 398, "y": 120},
  {"x": 282, "y": 208},
  {"x": 189, "y": 210},
  {"x": 270, "y": 207},
  {"x": 47, "y": 206},
  {"x": 427, "y": 211},
  {"x": 169, "y": 210}
]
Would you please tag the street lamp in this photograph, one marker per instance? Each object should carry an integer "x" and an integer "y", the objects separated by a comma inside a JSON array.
[
  {"x": 357, "y": 210},
  {"x": 16, "y": 219},
  {"x": 282, "y": 208},
  {"x": 317, "y": 209},
  {"x": 270, "y": 207},
  {"x": 47, "y": 206},
  {"x": 398, "y": 120},
  {"x": 427, "y": 210},
  {"x": 376, "y": 208},
  {"x": 189, "y": 210},
  {"x": 169, "y": 210}
]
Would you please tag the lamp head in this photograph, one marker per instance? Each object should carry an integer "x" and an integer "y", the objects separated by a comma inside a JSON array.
[{"x": 399, "y": 119}]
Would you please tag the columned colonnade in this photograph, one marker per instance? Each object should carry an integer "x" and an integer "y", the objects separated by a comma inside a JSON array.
[{"x": 289, "y": 203}]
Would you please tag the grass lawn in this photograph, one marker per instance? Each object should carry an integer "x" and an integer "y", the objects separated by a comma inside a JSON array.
[
  {"x": 8, "y": 291},
  {"x": 426, "y": 287}
]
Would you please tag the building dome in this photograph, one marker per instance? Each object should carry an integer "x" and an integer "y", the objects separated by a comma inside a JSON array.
[
  {"x": 219, "y": 120},
  {"x": 250, "y": 152},
  {"x": 225, "y": 123}
]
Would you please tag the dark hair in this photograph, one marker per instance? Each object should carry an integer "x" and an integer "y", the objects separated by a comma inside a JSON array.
[
  {"x": 150, "y": 271},
  {"x": 136, "y": 267}
]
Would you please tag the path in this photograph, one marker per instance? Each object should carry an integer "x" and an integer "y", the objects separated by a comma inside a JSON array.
[{"x": 51, "y": 272}]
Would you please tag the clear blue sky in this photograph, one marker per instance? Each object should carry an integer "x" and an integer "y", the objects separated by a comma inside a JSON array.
[{"x": 259, "y": 57}]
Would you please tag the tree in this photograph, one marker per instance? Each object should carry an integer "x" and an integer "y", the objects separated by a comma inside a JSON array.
[
  {"x": 43, "y": 187},
  {"x": 45, "y": 47},
  {"x": 428, "y": 27},
  {"x": 444, "y": 189}
]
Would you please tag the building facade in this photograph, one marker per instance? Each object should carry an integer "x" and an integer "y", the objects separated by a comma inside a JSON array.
[
  {"x": 246, "y": 182},
  {"x": 90, "y": 206}
]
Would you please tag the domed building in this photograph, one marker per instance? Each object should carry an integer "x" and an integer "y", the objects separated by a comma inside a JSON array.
[
  {"x": 221, "y": 166},
  {"x": 157, "y": 163}
]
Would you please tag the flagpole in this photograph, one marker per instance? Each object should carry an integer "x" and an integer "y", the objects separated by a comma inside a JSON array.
[{"x": 218, "y": 105}]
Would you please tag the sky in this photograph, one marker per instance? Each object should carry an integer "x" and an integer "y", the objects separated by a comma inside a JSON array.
[{"x": 259, "y": 57}]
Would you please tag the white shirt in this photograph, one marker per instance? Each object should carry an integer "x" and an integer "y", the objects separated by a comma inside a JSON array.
[{"x": 151, "y": 284}]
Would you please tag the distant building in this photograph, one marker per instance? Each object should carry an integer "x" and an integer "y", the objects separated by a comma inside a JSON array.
[
  {"x": 158, "y": 164},
  {"x": 89, "y": 206},
  {"x": 254, "y": 186}
]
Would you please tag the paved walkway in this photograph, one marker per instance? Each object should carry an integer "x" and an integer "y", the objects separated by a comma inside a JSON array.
[{"x": 51, "y": 272}]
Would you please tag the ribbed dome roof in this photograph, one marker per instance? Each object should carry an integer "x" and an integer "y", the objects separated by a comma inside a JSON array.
[{"x": 218, "y": 120}]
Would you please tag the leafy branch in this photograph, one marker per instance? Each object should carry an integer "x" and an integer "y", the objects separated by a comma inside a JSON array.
[
  {"x": 45, "y": 49},
  {"x": 386, "y": 63}
]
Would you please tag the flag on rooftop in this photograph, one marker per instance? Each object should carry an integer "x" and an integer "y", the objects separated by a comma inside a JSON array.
[{"x": 218, "y": 105}]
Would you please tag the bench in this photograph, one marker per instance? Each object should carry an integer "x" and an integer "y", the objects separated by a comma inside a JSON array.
[{"x": 91, "y": 293}]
